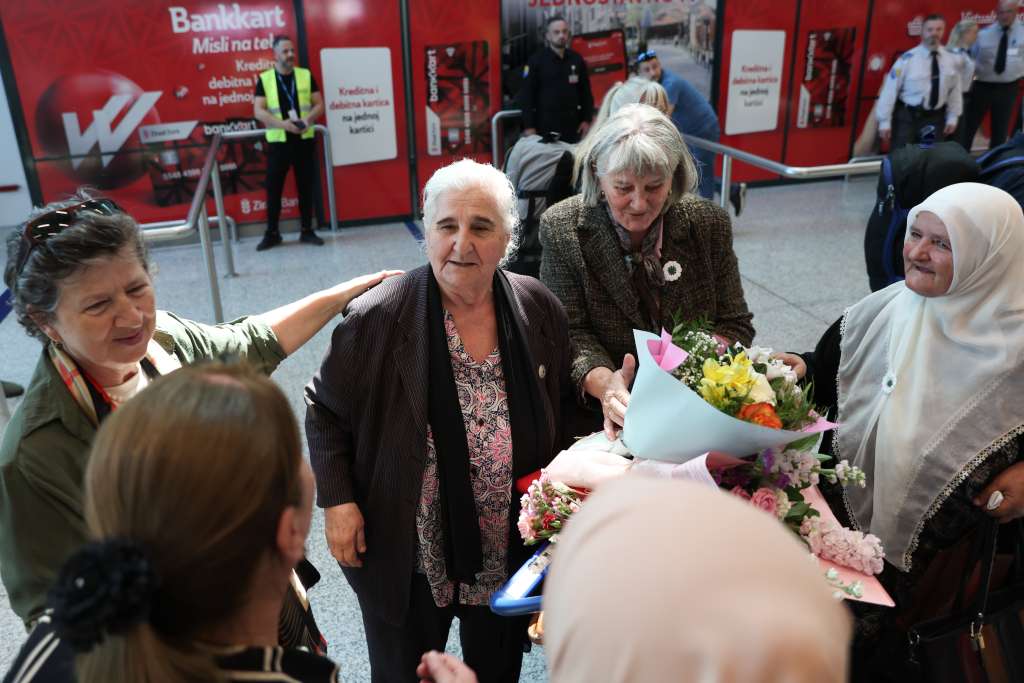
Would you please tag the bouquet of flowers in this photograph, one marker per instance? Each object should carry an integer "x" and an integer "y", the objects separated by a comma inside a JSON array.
[
  {"x": 695, "y": 395},
  {"x": 546, "y": 506}
]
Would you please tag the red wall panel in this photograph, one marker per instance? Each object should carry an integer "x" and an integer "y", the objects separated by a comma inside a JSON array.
[
  {"x": 468, "y": 85},
  {"x": 380, "y": 188},
  {"x": 827, "y": 144},
  {"x": 760, "y": 15}
]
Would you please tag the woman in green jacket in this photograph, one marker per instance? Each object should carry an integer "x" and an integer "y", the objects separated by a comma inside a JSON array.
[{"x": 81, "y": 284}]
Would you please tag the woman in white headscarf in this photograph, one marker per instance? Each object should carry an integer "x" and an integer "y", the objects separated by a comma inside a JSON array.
[
  {"x": 660, "y": 580},
  {"x": 925, "y": 378}
]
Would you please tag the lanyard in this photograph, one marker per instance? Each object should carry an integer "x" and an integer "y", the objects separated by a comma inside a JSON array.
[{"x": 293, "y": 93}]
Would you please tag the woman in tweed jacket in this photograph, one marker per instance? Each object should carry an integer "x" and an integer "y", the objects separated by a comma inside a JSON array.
[{"x": 635, "y": 249}]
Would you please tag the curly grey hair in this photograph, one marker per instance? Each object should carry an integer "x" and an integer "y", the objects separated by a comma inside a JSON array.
[{"x": 36, "y": 289}]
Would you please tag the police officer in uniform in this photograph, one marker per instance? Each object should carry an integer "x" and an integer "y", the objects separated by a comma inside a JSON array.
[
  {"x": 556, "y": 89},
  {"x": 288, "y": 103},
  {"x": 999, "y": 65},
  {"x": 921, "y": 99}
]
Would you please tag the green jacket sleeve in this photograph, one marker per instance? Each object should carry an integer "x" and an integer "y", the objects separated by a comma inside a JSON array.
[
  {"x": 248, "y": 338},
  {"x": 41, "y": 505}
]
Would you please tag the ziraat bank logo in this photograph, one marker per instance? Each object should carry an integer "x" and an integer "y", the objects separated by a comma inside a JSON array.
[
  {"x": 86, "y": 120},
  {"x": 914, "y": 26}
]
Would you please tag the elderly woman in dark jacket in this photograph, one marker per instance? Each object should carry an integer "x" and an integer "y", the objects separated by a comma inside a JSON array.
[
  {"x": 440, "y": 390},
  {"x": 634, "y": 250}
]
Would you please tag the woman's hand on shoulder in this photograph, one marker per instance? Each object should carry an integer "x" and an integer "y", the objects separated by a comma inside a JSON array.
[
  {"x": 346, "y": 291},
  {"x": 1003, "y": 498}
]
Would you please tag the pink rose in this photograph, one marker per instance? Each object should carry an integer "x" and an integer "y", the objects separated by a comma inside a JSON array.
[
  {"x": 740, "y": 493},
  {"x": 764, "y": 499}
]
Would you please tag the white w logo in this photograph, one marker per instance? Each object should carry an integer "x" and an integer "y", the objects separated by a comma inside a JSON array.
[{"x": 99, "y": 131}]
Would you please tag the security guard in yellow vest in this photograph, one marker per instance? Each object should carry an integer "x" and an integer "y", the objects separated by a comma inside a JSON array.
[{"x": 287, "y": 103}]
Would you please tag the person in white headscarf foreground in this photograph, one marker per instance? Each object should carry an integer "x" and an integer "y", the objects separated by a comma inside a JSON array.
[
  {"x": 925, "y": 379},
  {"x": 657, "y": 580}
]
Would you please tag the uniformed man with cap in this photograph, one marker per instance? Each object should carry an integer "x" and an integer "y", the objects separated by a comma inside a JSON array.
[
  {"x": 921, "y": 98},
  {"x": 999, "y": 64},
  {"x": 556, "y": 88},
  {"x": 288, "y": 102}
]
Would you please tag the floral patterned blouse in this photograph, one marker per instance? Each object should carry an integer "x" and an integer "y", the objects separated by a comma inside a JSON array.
[{"x": 481, "y": 389}]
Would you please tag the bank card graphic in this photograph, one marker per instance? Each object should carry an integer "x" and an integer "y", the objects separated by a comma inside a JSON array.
[
  {"x": 825, "y": 82},
  {"x": 458, "y": 98},
  {"x": 605, "y": 55}
]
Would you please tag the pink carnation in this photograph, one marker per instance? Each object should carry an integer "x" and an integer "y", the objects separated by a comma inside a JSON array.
[
  {"x": 740, "y": 493},
  {"x": 764, "y": 499}
]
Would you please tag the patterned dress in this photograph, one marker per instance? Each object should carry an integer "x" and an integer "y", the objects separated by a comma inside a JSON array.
[{"x": 484, "y": 403}]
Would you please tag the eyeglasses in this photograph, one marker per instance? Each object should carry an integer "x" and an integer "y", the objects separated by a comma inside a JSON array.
[
  {"x": 42, "y": 228},
  {"x": 646, "y": 56}
]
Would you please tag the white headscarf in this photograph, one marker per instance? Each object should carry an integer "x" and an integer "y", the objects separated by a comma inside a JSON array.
[
  {"x": 660, "y": 580},
  {"x": 929, "y": 386}
]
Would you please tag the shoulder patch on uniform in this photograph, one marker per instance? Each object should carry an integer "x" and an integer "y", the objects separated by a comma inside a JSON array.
[
  {"x": 906, "y": 55},
  {"x": 526, "y": 71}
]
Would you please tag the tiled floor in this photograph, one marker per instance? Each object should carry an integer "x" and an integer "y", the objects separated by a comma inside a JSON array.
[{"x": 800, "y": 255}]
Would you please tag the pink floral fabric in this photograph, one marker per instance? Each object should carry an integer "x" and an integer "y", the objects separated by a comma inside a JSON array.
[{"x": 481, "y": 389}]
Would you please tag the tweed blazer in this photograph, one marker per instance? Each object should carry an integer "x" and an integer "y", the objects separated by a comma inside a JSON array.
[
  {"x": 366, "y": 421},
  {"x": 583, "y": 265}
]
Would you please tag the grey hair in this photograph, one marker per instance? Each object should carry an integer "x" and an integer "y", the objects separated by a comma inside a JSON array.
[
  {"x": 638, "y": 139},
  {"x": 959, "y": 30},
  {"x": 467, "y": 174},
  {"x": 634, "y": 91},
  {"x": 36, "y": 289}
]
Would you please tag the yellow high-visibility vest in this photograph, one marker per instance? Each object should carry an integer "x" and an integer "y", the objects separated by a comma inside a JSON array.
[{"x": 302, "y": 84}]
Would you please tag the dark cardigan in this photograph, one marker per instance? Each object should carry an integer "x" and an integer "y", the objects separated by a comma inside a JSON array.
[{"x": 366, "y": 422}]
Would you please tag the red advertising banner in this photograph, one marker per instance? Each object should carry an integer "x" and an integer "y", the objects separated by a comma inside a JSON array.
[
  {"x": 124, "y": 97},
  {"x": 825, "y": 86},
  {"x": 371, "y": 172},
  {"x": 458, "y": 99},
  {"x": 605, "y": 55},
  {"x": 454, "y": 51}
]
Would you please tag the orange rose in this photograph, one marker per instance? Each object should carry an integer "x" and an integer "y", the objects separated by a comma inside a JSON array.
[{"x": 760, "y": 414}]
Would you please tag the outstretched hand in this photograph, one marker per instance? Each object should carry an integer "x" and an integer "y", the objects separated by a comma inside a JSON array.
[
  {"x": 1003, "y": 498},
  {"x": 794, "y": 361},
  {"x": 441, "y": 667},
  {"x": 616, "y": 397}
]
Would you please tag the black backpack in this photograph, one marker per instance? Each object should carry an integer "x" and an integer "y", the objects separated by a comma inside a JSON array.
[
  {"x": 1003, "y": 167},
  {"x": 909, "y": 175}
]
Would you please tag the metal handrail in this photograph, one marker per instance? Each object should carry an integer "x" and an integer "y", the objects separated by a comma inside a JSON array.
[
  {"x": 198, "y": 219},
  {"x": 495, "y": 142},
  {"x": 728, "y": 154}
]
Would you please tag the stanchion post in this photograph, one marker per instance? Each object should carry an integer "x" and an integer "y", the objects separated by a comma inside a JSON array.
[
  {"x": 723, "y": 199},
  {"x": 329, "y": 171},
  {"x": 211, "y": 266},
  {"x": 222, "y": 223}
]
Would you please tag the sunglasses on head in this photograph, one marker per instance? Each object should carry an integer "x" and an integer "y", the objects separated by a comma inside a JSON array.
[
  {"x": 646, "y": 56},
  {"x": 38, "y": 230}
]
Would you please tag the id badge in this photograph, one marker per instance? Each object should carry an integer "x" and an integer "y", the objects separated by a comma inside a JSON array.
[
  {"x": 574, "y": 79},
  {"x": 293, "y": 115},
  {"x": 1013, "y": 52}
]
